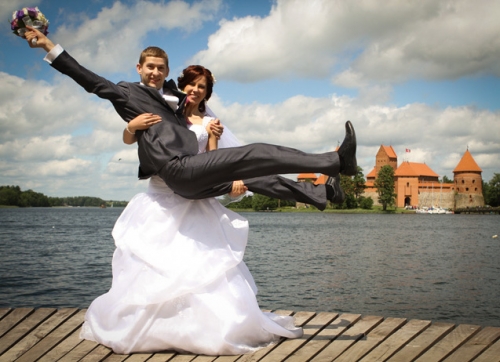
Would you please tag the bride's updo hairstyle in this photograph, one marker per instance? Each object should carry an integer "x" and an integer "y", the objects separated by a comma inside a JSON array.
[{"x": 192, "y": 72}]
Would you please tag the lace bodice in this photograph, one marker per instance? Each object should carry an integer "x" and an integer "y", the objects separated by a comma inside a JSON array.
[{"x": 201, "y": 133}]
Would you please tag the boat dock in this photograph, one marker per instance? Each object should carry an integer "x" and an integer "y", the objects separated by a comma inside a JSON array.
[
  {"x": 49, "y": 334},
  {"x": 478, "y": 210}
]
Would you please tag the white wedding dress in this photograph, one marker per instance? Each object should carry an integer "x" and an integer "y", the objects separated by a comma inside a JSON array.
[{"x": 179, "y": 280}]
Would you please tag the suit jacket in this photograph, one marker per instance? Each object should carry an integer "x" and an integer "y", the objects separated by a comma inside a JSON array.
[{"x": 160, "y": 143}]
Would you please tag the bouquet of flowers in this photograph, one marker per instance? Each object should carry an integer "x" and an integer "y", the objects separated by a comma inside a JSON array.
[{"x": 28, "y": 17}]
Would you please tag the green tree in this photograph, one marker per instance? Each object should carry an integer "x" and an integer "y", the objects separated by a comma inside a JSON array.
[
  {"x": 9, "y": 195},
  {"x": 359, "y": 183},
  {"x": 261, "y": 202},
  {"x": 365, "y": 203},
  {"x": 384, "y": 183},
  {"x": 446, "y": 180},
  {"x": 31, "y": 198},
  {"x": 492, "y": 191}
]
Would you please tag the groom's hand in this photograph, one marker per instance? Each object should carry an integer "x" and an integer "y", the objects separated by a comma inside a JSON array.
[
  {"x": 41, "y": 40},
  {"x": 216, "y": 128}
]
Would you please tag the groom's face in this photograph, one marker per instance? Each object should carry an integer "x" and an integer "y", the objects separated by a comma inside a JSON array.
[{"x": 153, "y": 72}]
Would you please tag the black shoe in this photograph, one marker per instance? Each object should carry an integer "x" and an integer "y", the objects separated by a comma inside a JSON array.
[
  {"x": 347, "y": 152},
  {"x": 334, "y": 192}
]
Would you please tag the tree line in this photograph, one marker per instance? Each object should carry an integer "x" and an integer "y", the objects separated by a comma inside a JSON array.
[
  {"x": 353, "y": 187},
  {"x": 14, "y": 196}
]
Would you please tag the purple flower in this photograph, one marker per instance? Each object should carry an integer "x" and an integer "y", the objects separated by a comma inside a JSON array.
[
  {"x": 20, "y": 14},
  {"x": 33, "y": 12}
]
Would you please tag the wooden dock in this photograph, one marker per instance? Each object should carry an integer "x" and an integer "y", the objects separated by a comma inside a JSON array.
[{"x": 48, "y": 334}]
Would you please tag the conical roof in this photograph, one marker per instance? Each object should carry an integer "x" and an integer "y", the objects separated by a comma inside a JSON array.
[{"x": 467, "y": 164}]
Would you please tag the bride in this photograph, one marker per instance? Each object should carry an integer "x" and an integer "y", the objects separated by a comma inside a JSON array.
[{"x": 179, "y": 280}]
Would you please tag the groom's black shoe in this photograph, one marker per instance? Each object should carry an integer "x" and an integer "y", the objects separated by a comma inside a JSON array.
[
  {"x": 347, "y": 152},
  {"x": 334, "y": 192}
]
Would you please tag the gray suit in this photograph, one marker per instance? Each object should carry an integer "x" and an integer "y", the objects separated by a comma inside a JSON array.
[{"x": 169, "y": 149}]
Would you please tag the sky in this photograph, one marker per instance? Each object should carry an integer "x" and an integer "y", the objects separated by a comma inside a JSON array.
[{"x": 422, "y": 76}]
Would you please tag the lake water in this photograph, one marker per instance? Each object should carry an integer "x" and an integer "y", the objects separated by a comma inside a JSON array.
[{"x": 436, "y": 267}]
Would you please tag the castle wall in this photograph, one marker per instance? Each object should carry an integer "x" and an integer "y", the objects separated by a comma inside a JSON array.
[
  {"x": 471, "y": 200},
  {"x": 445, "y": 200}
]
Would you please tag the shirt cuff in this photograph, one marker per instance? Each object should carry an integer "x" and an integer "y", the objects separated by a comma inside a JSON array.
[{"x": 53, "y": 54}]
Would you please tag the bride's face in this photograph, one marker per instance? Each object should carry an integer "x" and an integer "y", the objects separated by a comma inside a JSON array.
[{"x": 196, "y": 90}]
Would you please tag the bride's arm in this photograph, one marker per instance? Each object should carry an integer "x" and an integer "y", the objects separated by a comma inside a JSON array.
[
  {"x": 214, "y": 129},
  {"x": 141, "y": 122}
]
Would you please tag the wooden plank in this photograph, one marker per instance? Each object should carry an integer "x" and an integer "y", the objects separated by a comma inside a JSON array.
[
  {"x": 348, "y": 338},
  {"x": 80, "y": 351},
  {"x": 324, "y": 337},
  {"x": 372, "y": 339},
  {"x": 97, "y": 354},
  {"x": 139, "y": 357},
  {"x": 289, "y": 346},
  {"x": 229, "y": 358},
  {"x": 396, "y": 341},
  {"x": 160, "y": 357},
  {"x": 300, "y": 319},
  {"x": 475, "y": 345},
  {"x": 183, "y": 358},
  {"x": 50, "y": 333},
  {"x": 492, "y": 354},
  {"x": 4, "y": 312},
  {"x": 422, "y": 342},
  {"x": 24, "y": 327},
  {"x": 204, "y": 359},
  {"x": 120, "y": 357},
  {"x": 13, "y": 318},
  {"x": 34, "y": 345},
  {"x": 449, "y": 343},
  {"x": 63, "y": 348}
]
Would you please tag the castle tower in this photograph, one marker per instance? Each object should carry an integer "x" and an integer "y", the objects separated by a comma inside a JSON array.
[
  {"x": 386, "y": 156},
  {"x": 468, "y": 183}
]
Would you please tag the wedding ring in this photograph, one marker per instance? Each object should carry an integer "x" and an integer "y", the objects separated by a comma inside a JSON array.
[{"x": 34, "y": 41}]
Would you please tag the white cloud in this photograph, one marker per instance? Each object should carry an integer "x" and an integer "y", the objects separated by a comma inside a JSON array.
[
  {"x": 8, "y": 7},
  {"x": 361, "y": 43},
  {"x": 438, "y": 137},
  {"x": 113, "y": 39}
]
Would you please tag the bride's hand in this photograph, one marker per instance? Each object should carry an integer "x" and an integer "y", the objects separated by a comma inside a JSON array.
[
  {"x": 143, "y": 121},
  {"x": 239, "y": 188},
  {"x": 215, "y": 128}
]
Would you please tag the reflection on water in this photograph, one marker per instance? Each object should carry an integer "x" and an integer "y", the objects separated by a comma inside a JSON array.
[{"x": 437, "y": 267}]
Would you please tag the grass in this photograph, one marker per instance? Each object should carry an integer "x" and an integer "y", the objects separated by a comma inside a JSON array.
[{"x": 373, "y": 210}]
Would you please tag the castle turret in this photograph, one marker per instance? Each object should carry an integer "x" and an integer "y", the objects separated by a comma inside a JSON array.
[{"x": 468, "y": 182}]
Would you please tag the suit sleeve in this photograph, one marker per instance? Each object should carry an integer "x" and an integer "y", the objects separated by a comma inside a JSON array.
[{"x": 91, "y": 82}]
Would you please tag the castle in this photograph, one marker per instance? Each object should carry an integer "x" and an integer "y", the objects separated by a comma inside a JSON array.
[{"x": 417, "y": 185}]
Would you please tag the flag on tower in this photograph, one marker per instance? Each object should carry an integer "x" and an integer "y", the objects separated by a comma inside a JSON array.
[{"x": 408, "y": 150}]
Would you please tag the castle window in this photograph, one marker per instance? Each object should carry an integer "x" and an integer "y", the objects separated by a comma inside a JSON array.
[
  {"x": 466, "y": 189},
  {"x": 475, "y": 189},
  {"x": 473, "y": 181},
  {"x": 463, "y": 181},
  {"x": 407, "y": 184}
]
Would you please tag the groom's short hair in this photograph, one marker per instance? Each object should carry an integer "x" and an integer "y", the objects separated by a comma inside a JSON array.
[{"x": 153, "y": 52}]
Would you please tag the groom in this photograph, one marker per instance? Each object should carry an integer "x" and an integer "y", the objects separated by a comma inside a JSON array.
[{"x": 169, "y": 149}]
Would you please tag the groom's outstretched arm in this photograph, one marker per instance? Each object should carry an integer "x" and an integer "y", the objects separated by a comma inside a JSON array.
[{"x": 64, "y": 63}]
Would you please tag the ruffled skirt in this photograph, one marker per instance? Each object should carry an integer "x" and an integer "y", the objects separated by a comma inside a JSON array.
[{"x": 180, "y": 283}]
